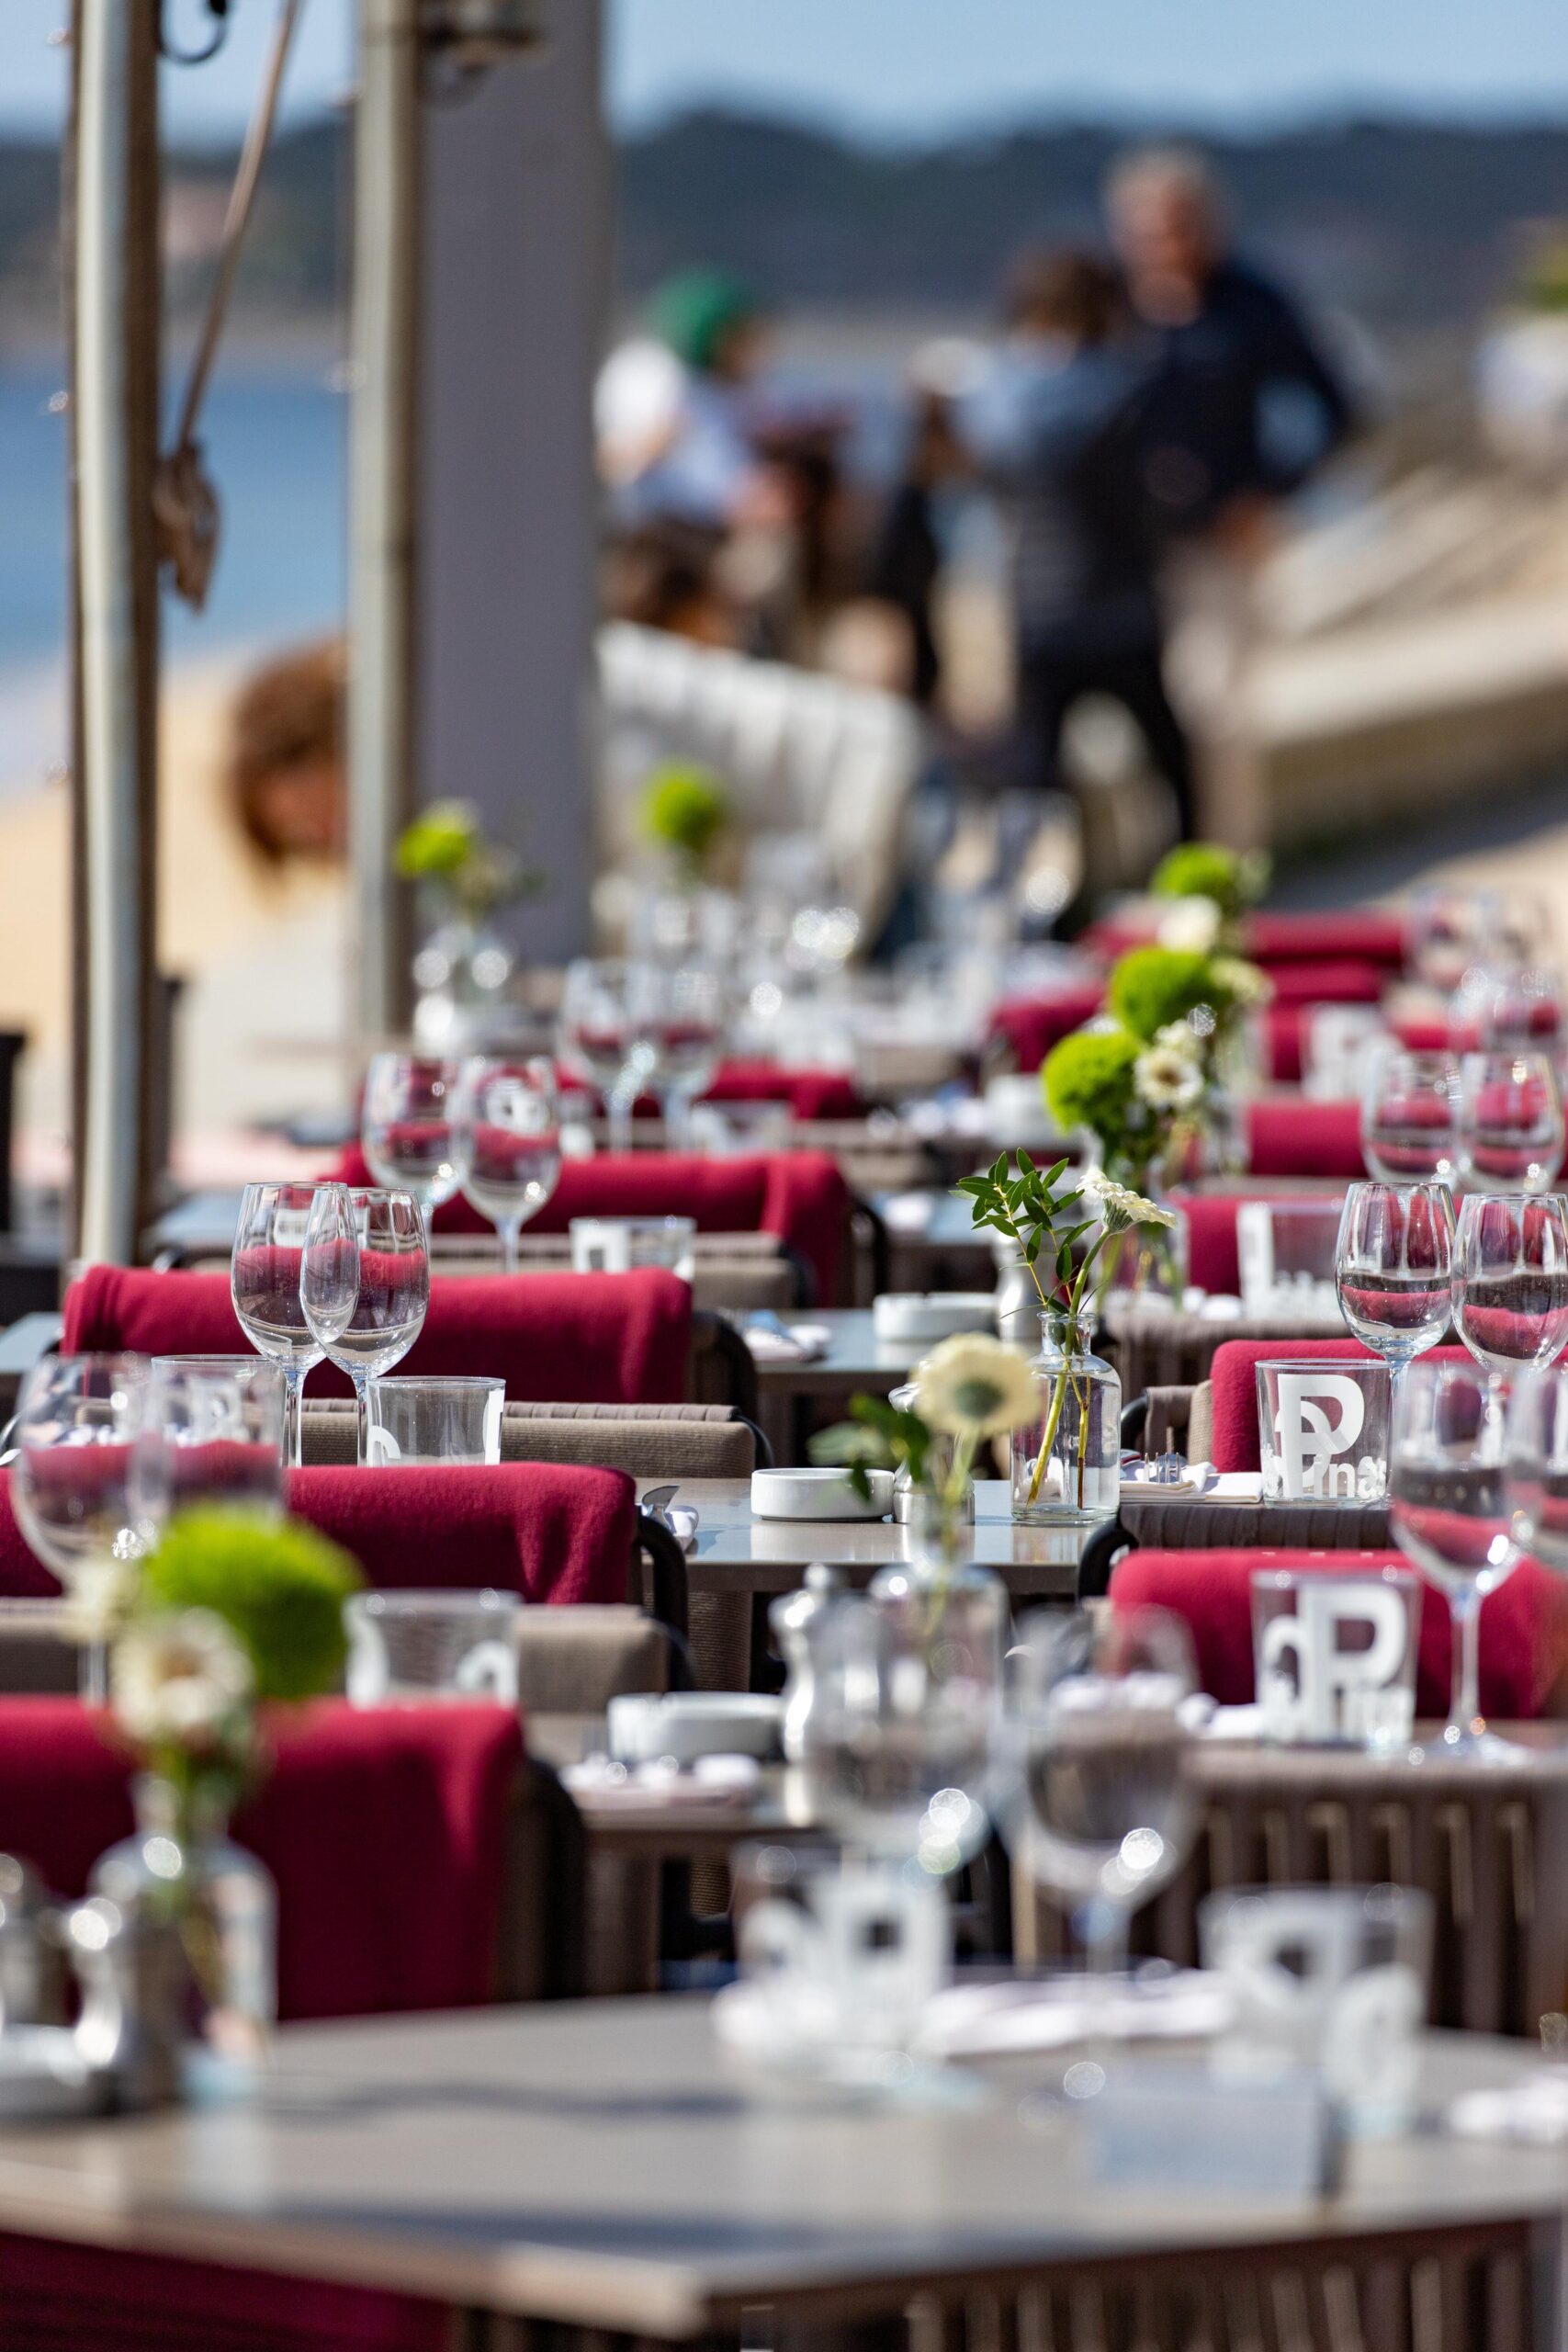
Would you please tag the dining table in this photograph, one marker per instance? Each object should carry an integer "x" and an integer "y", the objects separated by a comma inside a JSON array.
[{"x": 603, "y": 2167}]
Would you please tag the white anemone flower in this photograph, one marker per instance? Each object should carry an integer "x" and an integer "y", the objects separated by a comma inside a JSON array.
[
  {"x": 1167, "y": 1079},
  {"x": 1193, "y": 926},
  {"x": 1121, "y": 1206},
  {"x": 179, "y": 1679},
  {"x": 972, "y": 1386},
  {"x": 1180, "y": 1037},
  {"x": 1243, "y": 982}
]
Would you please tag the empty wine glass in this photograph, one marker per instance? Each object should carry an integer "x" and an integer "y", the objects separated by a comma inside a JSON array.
[
  {"x": 604, "y": 1008},
  {"x": 365, "y": 1282},
  {"x": 1538, "y": 1465},
  {"x": 405, "y": 1126},
  {"x": 1451, "y": 1514},
  {"x": 896, "y": 1743},
  {"x": 508, "y": 1139},
  {"x": 1409, "y": 1119},
  {"x": 264, "y": 1282},
  {"x": 681, "y": 1024},
  {"x": 1098, "y": 1804},
  {"x": 1522, "y": 1010},
  {"x": 1394, "y": 1269},
  {"x": 1510, "y": 1122},
  {"x": 213, "y": 1433},
  {"x": 1449, "y": 930},
  {"x": 77, "y": 1422},
  {"x": 1511, "y": 1281}
]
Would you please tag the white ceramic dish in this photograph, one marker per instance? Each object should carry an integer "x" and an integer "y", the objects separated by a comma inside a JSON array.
[
  {"x": 819, "y": 1494},
  {"x": 686, "y": 1725},
  {"x": 925, "y": 1317}
]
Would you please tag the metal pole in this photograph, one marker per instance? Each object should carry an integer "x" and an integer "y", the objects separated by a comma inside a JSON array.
[
  {"x": 381, "y": 497},
  {"x": 115, "y": 335}
]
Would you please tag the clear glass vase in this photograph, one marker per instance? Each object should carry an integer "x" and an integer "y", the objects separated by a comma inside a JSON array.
[
  {"x": 181, "y": 1869},
  {"x": 1148, "y": 1262},
  {"x": 1066, "y": 1466},
  {"x": 943, "y": 1597},
  {"x": 461, "y": 976}
]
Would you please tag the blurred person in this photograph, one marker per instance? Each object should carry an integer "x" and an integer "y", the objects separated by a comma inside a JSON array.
[
  {"x": 1056, "y": 430},
  {"x": 673, "y": 410},
  {"x": 1243, "y": 407},
  {"x": 286, "y": 762},
  {"x": 904, "y": 561}
]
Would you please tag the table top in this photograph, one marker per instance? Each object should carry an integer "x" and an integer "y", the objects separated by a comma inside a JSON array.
[
  {"x": 735, "y": 1551},
  {"x": 594, "y": 2164}
]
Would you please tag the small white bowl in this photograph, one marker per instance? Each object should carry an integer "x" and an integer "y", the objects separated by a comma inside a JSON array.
[
  {"x": 923, "y": 1317},
  {"x": 819, "y": 1494},
  {"x": 640, "y": 1728}
]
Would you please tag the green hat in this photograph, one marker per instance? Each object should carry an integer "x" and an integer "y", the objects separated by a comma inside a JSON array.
[{"x": 694, "y": 312}]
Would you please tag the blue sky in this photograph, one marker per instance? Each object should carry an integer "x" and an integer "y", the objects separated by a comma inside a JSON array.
[{"x": 916, "y": 67}]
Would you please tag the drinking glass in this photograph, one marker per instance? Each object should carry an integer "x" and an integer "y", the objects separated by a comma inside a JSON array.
[
  {"x": 1394, "y": 1269},
  {"x": 405, "y": 1648},
  {"x": 433, "y": 1420},
  {"x": 1536, "y": 1475},
  {"x": 1522, "y": 1010},
  {"x": 405, "y": 1126},
  {"x": 264, "y": 1282},
  {"x": 1511, "y": 1281},
  {"x": 1409, "y": 1119},
  {"x": 682, "y": 1029},
  {"x": 894, "y": 1745},
  {"x": 1450, "y": 931},
  {"x": 77, "y": 1422},
  {"x": 1097, "y": 1802},
  {"x": 604, "y": 1006},
  {"x": 365, "y": 1282},
  {"x": 507, "y": 1130},
  {"x": 213, "y": 1433},
  {"x": 1510, "y": 1122},
  {"x": 1450, "y": 1515}
]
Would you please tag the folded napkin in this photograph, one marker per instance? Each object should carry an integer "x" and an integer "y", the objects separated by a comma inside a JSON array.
[
  {"x": 717, "y": 1781},
  {"x": 1207, "y": 1720},
  {"x": 992, "y": 2020},
  {"x": 1534, "y": 2112},
  {"x": 797, "y": 1344}
]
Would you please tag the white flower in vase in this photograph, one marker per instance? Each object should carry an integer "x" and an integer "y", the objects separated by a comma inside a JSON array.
[
  {"x": 179, "y": 1681},
  {"x": 1192, "y": 926},
  {"x": 1168, "y": 1078},
  {"x": 1121, "y": 1206},
  {"x": 974, "y": 1387}
]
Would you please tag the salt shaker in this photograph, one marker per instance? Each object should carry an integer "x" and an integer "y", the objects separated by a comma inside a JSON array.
[{"x": 792, "y": 1619}]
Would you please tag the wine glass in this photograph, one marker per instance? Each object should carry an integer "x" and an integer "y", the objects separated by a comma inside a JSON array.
[
  {"x": 1449, "y": 1511},
  {"x": 682, "y": 1026},
  {"x": 365, "y": 1282},
  {"x": 1510, "y": 1122},
  {"x": 604, "y": 1004},
  {"x": 264, "y": 1282},
  {"x": 77, "y": 1423},
  {"x": 1511, "y": 1281},
  {"x": 405, "y": 1126},
  {"x": 1394, "y": 1269},
  {"x": 213, "y": 1433},
  {"x": 1450, "y": 930},
  {"x": 507, "y": 1130},
  {"x": 1409, "y": 1119},
  {"x": 1522, "y": 1010},
  {"x": 896, "y": 1743},
  {"x": 1098, "y": 1806},
  {"x": 1536, "y": 1474}
]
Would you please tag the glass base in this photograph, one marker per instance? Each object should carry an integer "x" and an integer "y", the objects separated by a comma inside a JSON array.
[
  {"x": 1468, "y": 1747},
  {"x": 1056, "y": 1514}
]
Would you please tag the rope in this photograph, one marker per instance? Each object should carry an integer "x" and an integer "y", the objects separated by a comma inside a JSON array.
[{"x": 184, "y": 501}]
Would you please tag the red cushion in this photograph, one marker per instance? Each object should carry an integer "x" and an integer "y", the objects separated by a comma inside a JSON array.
[
  {"x": 572, "y": 1338},
  {"x": 551, "y": 1532},
  {"x": 1233, "y": 1378},
  {"x": 799, "y": 1195},
  {"x": 811, "y": 1093},
  {"x": 1344, "y": 980},
  {"x": 1214, "y": 1262},
  {"x": 385, "y": 1832},
  {"x": 1524, "y": 1625},
  {"x": 1273, "y": 940},
  {"x": 1288, "y": 1135},
  {"x": 1032, "y": 1025}
]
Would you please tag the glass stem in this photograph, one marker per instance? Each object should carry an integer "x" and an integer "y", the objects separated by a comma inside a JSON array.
[
  {"x": 1464, "y": 1714},
  {"x": 361, "y": 1417},
  {"x": 92, "y": 1674},
  {"x": 509, "y": 1228},
  {"x": 677, "y": 1121},
  {"x": 618, "y": 1115},
  {"x": 293, "y": 1415},
  {"x": 1103, "y": 1925}
]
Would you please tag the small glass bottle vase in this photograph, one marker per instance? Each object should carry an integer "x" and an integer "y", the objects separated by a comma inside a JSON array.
[
  {"x": 1066, "y": 1466},
  {"x": 181, "y": 1869},
  {"x": 958, "y": 1608}
]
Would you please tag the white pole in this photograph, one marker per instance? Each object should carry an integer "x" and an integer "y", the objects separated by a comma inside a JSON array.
[
  {"x": 382, "y": 495},
  {"x": 116, "y": 670}
]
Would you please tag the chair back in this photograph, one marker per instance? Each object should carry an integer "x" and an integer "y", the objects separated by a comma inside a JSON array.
[{"x": 655, "y": 1442}]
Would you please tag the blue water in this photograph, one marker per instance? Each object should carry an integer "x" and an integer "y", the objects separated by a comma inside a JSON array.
[{"x": 276, "y": 445}]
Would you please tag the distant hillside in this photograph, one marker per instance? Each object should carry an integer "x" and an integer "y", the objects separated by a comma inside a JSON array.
[{"x": 1405, "y": 224}]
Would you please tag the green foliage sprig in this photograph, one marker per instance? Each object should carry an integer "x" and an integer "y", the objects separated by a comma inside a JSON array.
[{"x": 447, "y": 849}]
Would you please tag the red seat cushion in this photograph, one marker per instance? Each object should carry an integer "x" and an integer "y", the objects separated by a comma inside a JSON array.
[
  {"x": 571, "y": 1338},
  {"x": 386, "y": 1831},
  {"x": 551, "y": 1532},
  {"x": 1214, "y": 1262},
  {"x": 1032, "y": 1025},
  {"x": 811, "y": 1093},
  {"x": 1233, "y": 1387},
  {"x": 1524, "y": 1625},
  {"x": 1288, "y": 1135},
  {"x": 1360, "y": 935},
  {"x": 1344, "y": 980},
  {"x": 799, "y": 1195}
]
